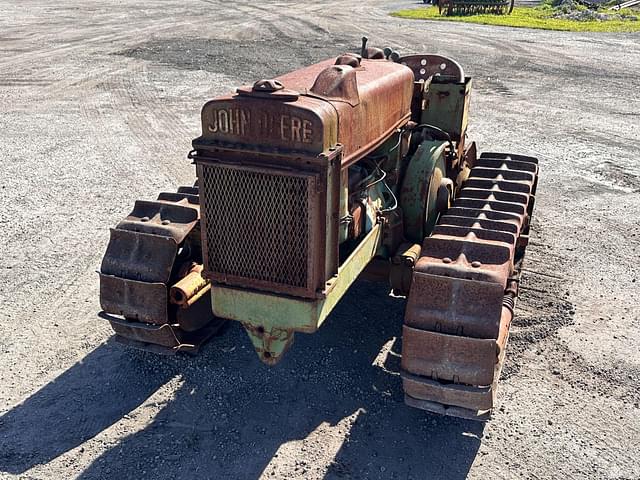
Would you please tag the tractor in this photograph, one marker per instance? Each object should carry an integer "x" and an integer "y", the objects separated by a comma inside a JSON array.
[{"x": 310, "y": 180}]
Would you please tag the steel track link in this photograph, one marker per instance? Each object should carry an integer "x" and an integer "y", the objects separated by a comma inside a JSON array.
[
  {"x": 148, "y": 252},
  {"x": 464, "y": 289}
]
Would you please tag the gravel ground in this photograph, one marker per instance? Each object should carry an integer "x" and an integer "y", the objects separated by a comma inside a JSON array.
[{"x": 99, "y": 103}]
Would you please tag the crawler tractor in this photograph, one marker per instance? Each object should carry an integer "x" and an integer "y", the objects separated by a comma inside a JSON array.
[{"x": 310, "y": 180}]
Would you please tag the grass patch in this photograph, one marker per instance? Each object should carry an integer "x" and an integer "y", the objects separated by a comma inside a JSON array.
[{"x": 525, "y": 17}]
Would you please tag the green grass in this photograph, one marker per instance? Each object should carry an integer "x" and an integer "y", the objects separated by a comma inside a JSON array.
[{"x": 524, "y": 17}]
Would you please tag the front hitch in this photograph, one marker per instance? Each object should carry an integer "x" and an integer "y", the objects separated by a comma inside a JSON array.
[{"x": 270, "y": 342}]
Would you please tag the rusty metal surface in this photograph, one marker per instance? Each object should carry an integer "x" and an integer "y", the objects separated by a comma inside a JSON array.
[
  {"x": 166, "y": 335},
  {"x": 464, "y": 396},
  {"x": 335, "y": 105},
  {"x": 401, "y": 267},
  {"x": 474, "y": 218},
  {"x": 466, "y": 257},
  {"x": 393, "y": 232},
  {"x": 447, "y": 410},
  {"x": 452, "y": 397},
  {"x": 140, "y": 264},
  {"x": 370, "y": 52},
  {"x": 478, "y": 232},
  {"x": 508, "y": 221},
  {"x": 162, "y": 218},
  {"x": 308, "y": 124},
  {"x": 350, "y": 59},
  {"x": 190, "y": 287},
  {"x": 270, "y": 343},
  {"x": 269, "y": 159},
  {"x": 452, "y": 358},
  {"x": 271, "y": 319},
  {"x": 167, "y": 339},
  {"x": 271, "y": 210},
  {"x": 510, "y": 160},
  {"x": 262, "y": 227},
  {"x": 357, "y": 223},
  {"x": 139, "y": 256},
  {"x": 142, "y": 301},
  {"x": 197, "y": 315},
  {"x": 449, "y": 309},
  {"x": 461, "y": 301},
  {"x": 338, "y": 83},
  {"x": 175, "y": 197}
]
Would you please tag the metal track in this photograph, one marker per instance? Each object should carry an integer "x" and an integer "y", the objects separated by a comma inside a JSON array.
[
  {"x": 150, "y": 250},
  {"x": 464, "y": 289}
]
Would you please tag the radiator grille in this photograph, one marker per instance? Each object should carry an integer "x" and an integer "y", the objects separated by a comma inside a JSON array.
[{"x": 257, "y": 224}]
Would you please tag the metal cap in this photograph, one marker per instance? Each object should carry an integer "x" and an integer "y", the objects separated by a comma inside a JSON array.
[{"x": 267, "y": 86}]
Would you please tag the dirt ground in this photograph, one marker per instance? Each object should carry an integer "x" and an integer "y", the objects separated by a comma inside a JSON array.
[{"x": 99, "y": 103}]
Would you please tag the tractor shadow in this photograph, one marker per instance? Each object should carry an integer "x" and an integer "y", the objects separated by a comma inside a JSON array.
[
  {"x": 79, "y": 404},
  {"x": 232, "y": 417}
]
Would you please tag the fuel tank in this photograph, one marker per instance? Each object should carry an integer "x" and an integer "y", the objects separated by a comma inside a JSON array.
[{"x": 349, "y": 101}]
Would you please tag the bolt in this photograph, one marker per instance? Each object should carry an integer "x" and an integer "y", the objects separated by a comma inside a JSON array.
[
  {"x": 166, "y": 222},
  {"x": 144, "y": 219},
  {"x": 475, "y": 264},
  {"x": 446, "y": 260}
]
